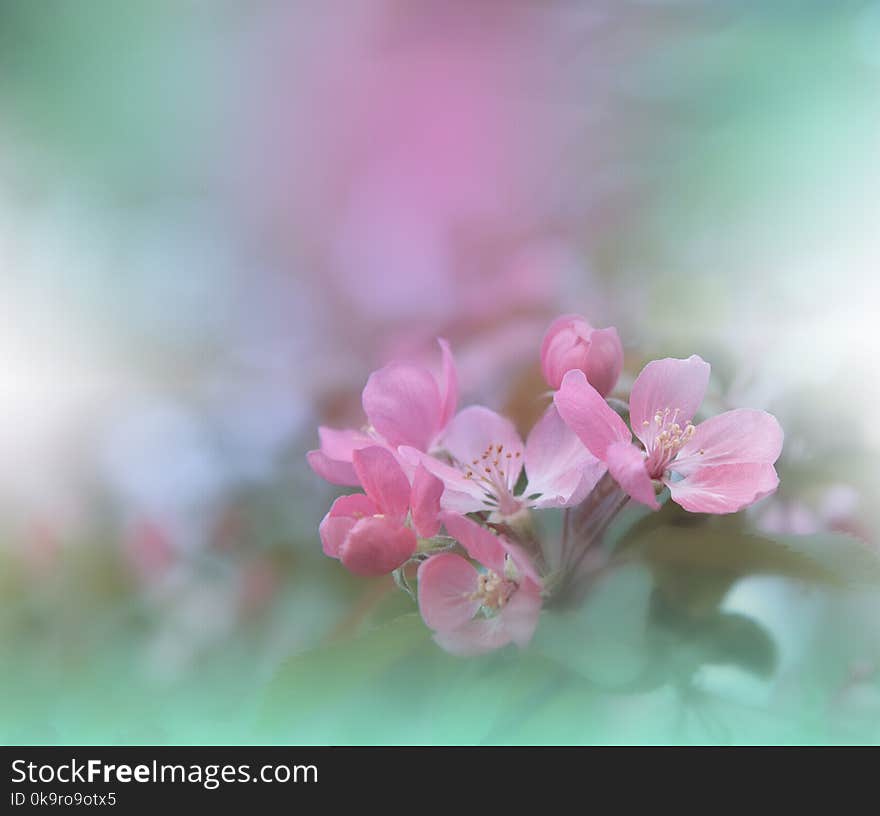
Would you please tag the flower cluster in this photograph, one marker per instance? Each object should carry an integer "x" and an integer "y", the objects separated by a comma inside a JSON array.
[{"x": 425, "y": 467}]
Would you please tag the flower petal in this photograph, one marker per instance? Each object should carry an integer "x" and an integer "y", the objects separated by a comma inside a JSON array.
[
  {"x": 604, "y": 360},
  {"x": 743, "y": 435},
  {"x": 724, "y": 488},
  {"x": 571, "y": 342},
  {"x": 342, "y": 516},
  {"x": 481, "y": 545},
  {"x": 565, "y": 347},
  {"x": 340, "y": 444},
  {"x": 460, "y": 495},
  {"x": 558, "y": 464},
  {"x": 332, "y": 461},
  {"x": 377, "y": 546},
  {"x": 338, "y": 473},
  {"x": 476, "y": 637},
  {"x": 626, "y": 463},
  {"x": 448, "y": 384},
  {"x": 403, "y": 404},
  {"x": 427, "y": 490},
  {"x": 584, "y": 410},
  {"x": 477, "y": 431},
  {"x": 384, "y": 481},
  {"x": 667, "y": 384},
  {"x": 520, "y": 615},
  {"x": 525, "y": 569},
  {"x": 447, "y": 583},
  {"x": 516, "y": 623}
]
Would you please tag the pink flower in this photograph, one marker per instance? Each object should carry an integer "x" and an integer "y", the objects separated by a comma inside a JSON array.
[
  {"x": 367, "y": 531},
  {"x": 404, "y": 404},
  {"x": 572, "y": 343},
  {"x": 473, "y": 611},
  {"x": 485, "y": 456},
  {"x": 718, "y": 466}
]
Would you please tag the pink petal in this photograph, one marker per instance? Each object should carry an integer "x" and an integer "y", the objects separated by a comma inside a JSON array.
[
  {"x": 355, "y": 505},
  {"x": 474, "y": 430},
  {"x": 447, "y": 583},
  {"x": 448, "y": 385},
  {"x": 584, "y": 410},
  {"x": 743, "y": 435},
  {"x": 667, "y": 384},
  {"x": 377, "y": 546},
  {"x": 565, "y": 346},
  {"x": 626, "y": 463},
  {"x": 481, "y": 545},
  {"x": 571, "y": 343},
  {"x": 558, "y": 465},
  {"x": 426, "y": 492},
  {"x": 479, "y": 636},
  {"x": 333, "y": 461},
  {"x": 341, "y": 444},
  {"x": 342, "y": 516},
  {"x": 384, "y": 481},
  {"x": 520, "y": 615},
  {"x": 333, "y": 532},
  {"x": 338, "y": 473},
  {"x": 604, "y": 360},
  {"x": 403, "y": 404},
  {"x": 724, "y": 488},
  {"x": 515, "y": 623},
  {"x": 523, "y": 563},
  {"x": 460, "y": 495}
]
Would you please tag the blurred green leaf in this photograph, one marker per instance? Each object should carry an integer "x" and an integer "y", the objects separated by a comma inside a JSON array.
[
  {"x": 604, "y": 639},
  {"x": 698, "y": 564},
  {"x": 392, "y": 685}
]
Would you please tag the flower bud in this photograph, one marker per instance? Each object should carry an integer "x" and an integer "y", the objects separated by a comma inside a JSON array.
[
  {"x": 377, "y": 546},
  {"x": 571, "y": 343}
]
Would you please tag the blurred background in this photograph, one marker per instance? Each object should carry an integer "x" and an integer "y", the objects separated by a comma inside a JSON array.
[{"x": 216, "y": 218}]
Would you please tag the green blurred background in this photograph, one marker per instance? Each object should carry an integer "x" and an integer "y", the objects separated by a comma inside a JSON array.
[{"x": 217, "y": 217}]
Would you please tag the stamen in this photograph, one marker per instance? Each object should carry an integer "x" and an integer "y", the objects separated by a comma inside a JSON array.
[
  {"x": 493, "y": 592},
  {"x": 670, "y": 438},
  {"x": 489, "y": 471}
]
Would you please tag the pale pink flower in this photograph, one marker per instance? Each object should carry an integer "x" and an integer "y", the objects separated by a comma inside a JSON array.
[
  {"x": 572, "y": 343},
  {"x": 484, "y": 456},
  {"x": 718, "y": 466},
  {"x": 473, "y": 611},
  {"x": 405, "y": 405},
  {"x": 367, "y": 531}
]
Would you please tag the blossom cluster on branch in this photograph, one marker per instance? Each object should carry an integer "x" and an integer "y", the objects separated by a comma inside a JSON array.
[{"x": 425, "y": 467}]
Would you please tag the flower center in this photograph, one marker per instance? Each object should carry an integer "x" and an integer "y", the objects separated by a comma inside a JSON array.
[
  {"x": 493, "y": 591},
  {"x": 669, "y": 439},
  {"x": 493, "y": 470}
]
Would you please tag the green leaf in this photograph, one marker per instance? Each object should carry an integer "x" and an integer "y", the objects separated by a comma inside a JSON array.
[
  {"x": 698, "y": 564},
  {"x": 307, "y": 683},
  {"x": 394, "y": 685},
  {"x": 604, "y": 639}
]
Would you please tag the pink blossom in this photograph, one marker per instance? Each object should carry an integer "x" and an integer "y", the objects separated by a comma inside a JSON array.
[
  {"x": 718, "y": 466},
  {"x": 405, "y": 405},
  {"x": 474, "y": 611},
  {"x": 483, "y": 456},
  {"x": 572, "y": 343},
  {"x": 368, "y": 531}
]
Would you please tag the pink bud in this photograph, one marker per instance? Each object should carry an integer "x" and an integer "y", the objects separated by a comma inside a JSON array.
[
  {"x": 572, "y": 343},
  {"x": 377, "y": 546}
]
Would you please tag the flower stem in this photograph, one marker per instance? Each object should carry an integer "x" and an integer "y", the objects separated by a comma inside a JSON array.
[{"x": 585, "y": 526}]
